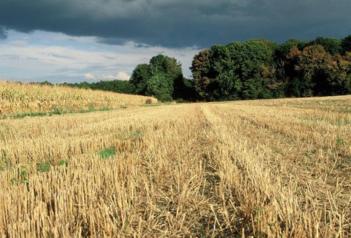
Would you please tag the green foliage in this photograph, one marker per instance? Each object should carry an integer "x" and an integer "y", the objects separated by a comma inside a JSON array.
[
  {"x": 346, "y": 44},
  {"x": 46, "y": 83},
  {"x": 5, "y": 163},
  {"x": 162, "y": 78},
  {"x": 230, "y": 85},
  {"x": 204, "y": 78},
  {"x": 118, "y": 86},
  {"x": 317, "y": 73},
  {"x": 139, "y": 78},
  {"x": 160, "y": 87},
  {"x": 186, "y": 92},
  {"x": 57, "y": 111},
  {"x": 340, "y": 141},
  {"x": 238, "y": 70},
  {"x": 331, "y": 45},
  {"x": 43, "y": 167},
  {"x": 63, "y": 163},
  {"x": 262, "y": 69},
  {"x": 107, "y": 153},
  {"x": 133, "y": 134},
  {"x": 284, "y": 64},
  {"x": 22, "y": 177}
]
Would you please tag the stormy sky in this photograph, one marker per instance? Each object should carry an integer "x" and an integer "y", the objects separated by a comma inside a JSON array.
[{"x": 75, "y": 40}]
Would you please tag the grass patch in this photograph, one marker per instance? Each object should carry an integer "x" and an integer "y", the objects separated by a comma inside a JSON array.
[
  {"x": 43, "y": 167},
  {"x": 107, "y": 153},
  {"x": 131, "y": 135},
  {"x": 340, "y": 141},
  {"x": 34, "y": 114},
  {"x": 343, "y": 122},
  {"x": 22, "y": 177},
  {"x": 136, "y": 134},
  {"x": 56, "y": 111},
  {"x": 63, "y": 163},
  {"x": 92, "y": 109},
  {"x": 29, "y": 114},
  {"x": 5, "y": 163}
]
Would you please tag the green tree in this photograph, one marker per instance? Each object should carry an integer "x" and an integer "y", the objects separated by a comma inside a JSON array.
[
  {"x": 205, "y": 81},
  {"x": 346, "y": 44},
  {"x": 318, "y": 73},
  {"x": 284, "y": 64},
  {"x": 230, "y": 85},
  {"x": 118, "y": 86},
  {"x": 331, "y": 45},
  {"x": 172, "y": 71},
  {"x": 147, "y": 78},
  {"x": 188, "y": 91},
  {"x": 141, "y": 74},
  {"x": 237, "y": 70},
  {"x": 160, "y": 87}
]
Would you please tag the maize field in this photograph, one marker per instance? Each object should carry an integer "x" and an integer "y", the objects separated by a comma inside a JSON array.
[{"x": 21, "y": 99}]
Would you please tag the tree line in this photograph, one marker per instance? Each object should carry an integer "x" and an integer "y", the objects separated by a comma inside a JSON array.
[
  {"x": 253, "y": 69},
  {"x": 118, "y": 86}
]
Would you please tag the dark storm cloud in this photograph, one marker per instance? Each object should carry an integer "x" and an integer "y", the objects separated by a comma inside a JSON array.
[{"x": 180, "y": 22}]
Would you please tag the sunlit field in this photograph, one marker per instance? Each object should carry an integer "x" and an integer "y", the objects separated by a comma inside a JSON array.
[
  {"x": 19, "y": 100},
  {"x": 270, "y": 168}
]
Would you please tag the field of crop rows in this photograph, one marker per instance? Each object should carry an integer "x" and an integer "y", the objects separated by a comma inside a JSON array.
[
  {"x": 270, "y": 168},
  {"x": 18, "y": 100}
]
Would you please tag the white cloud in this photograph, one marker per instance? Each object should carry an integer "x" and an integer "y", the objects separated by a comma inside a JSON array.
[
  {"x": 89, "y": 76},
  {"x": 107, "y": 77},
  {"x": 58, "y": 58},
  {"x": 123, "y": 76}
]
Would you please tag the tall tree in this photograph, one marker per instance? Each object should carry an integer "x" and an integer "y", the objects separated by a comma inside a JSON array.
[
  {"x": 204, "y": 77},
  {"x": 141, "y": 74},
  {"x": 237, "y": 70},
  {"x": 160, "y": 87},
  {"x": 318, "y": 73},
  {"x": 160, "y": 77}
]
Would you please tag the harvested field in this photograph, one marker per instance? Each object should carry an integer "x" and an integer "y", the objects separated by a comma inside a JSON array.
[{"x": 270, "y": 168}]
